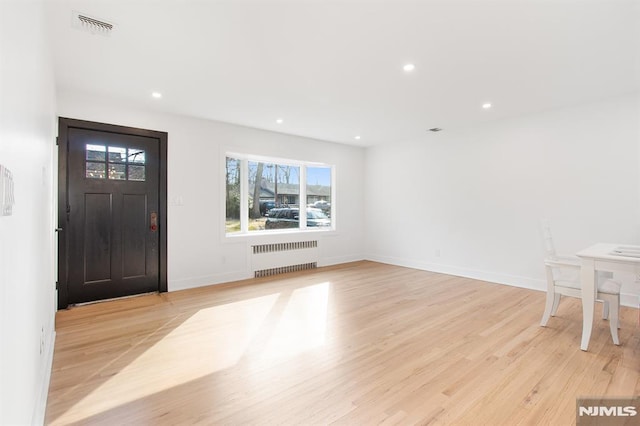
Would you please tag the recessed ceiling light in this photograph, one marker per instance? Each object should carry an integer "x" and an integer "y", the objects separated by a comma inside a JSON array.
[
  {"x": 279, "y": 120},
  {"x": 486, "y": 105},
  {"x": 357, "y": 138},
  {"x": 156, "y": 95},
  {"x": 435, "y": 129},
  {"x": 409, "y": 67}
]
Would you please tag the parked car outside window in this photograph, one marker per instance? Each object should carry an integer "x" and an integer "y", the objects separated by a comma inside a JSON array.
[
  {"x": 265, "y": 206},
  {"x": 323, "y": 205},
  {"x": 281, "y": 218}
]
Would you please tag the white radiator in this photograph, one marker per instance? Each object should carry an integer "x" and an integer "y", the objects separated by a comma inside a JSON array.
[{"x": 279, "y": 258}]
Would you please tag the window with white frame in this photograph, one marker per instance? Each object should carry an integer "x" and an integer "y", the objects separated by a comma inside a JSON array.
[{"x": 271, "y": 195}]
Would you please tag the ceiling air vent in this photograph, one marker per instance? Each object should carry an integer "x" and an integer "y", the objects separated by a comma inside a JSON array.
[{"x": 91, "y": 25}]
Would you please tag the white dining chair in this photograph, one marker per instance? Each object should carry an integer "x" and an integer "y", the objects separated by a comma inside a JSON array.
[{"x": 563, "y": 279}]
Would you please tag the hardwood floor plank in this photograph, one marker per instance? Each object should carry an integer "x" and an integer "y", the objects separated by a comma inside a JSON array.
[{"x": 360, "y": 343}]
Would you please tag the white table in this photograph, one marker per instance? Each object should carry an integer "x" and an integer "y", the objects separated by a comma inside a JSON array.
[{"x": 602, "y": 257}]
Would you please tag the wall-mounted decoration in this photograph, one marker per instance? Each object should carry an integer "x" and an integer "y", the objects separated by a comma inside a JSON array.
[{"x": 7, "y": 197}]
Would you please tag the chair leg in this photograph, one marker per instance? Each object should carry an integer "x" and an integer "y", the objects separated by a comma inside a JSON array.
[
  {"x": 619, "y": 316},
  {"x": 614, "y": 322},
  {"x": 556, "y": 303},
  {"x": 549, "y": 307},
  {"x": 614, "y": 315},
  {"x": 605, "y": 309}
]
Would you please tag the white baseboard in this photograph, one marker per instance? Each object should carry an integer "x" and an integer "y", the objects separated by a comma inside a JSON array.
[
  {"x": 330, "y": 261},
  {"x": 227, "y": 277},
  {"x": 46, "y": 369},
  {"x": 206, "y": 280},
  {"x": 512, "y": 280},
  {"x": 626, "y": 299}
]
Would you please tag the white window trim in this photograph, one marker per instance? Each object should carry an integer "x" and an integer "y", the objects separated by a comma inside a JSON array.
[{"x": 244, "y": 196}]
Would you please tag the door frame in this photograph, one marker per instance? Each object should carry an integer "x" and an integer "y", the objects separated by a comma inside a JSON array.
[{"x": 64, "y": 124}]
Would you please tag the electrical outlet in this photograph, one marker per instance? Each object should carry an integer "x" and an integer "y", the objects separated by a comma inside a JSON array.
[
  {"x": 41, "y": 340},
  {"x": 437, "y": 252}
]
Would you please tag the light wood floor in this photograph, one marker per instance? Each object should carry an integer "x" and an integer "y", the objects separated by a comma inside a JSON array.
[{"x": 359, "y": 344}]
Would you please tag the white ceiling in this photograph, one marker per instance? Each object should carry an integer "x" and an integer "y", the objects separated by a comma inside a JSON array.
[{"x": 332, "y": 69}]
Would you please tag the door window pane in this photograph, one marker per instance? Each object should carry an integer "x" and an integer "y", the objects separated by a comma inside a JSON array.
[
  {"x": 96, "y": 170},
  {"x": 117, "y": 154},
  {"x": 136, "y": 173},
  {"x": 136, "y": 156},
  {"x": 96, "y": 152},
  {"x": 117, "y": 171}
]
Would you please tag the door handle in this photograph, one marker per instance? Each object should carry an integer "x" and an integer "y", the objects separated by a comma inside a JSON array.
[
  {"x": 59, "y": 229},
  {"x": 153, "y": 222}
]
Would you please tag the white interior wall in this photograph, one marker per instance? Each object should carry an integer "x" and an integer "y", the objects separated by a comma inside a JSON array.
[
  {"x": 198, "y": 252},
  {"x": 27, "y": 141},
  {"x": 465, "y": 202},
  {"x": 468, "y": 202}
]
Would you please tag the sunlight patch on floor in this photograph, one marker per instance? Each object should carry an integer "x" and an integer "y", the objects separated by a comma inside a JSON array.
[
  {"x": 303, "y": 324},
  {"x": 186, "y": 355}
]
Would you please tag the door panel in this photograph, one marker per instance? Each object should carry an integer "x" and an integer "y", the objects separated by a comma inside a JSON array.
[
  {"x": 114, "y": 191},
  {"x": 134, "y": 229},
  {"x": 97, "y": 239}
]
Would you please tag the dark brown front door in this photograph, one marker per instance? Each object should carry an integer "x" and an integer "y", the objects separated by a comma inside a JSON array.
[{"x": 112, "y": 212}]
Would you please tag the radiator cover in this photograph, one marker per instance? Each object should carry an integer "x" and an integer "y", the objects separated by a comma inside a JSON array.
[{"x": 279, "y": 258}]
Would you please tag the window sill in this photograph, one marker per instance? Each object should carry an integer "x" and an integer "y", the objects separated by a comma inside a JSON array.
[{"x": 278, "y": 236}]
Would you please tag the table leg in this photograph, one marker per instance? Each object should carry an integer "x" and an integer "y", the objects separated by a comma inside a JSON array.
[{"x": 588, "y": 300}]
